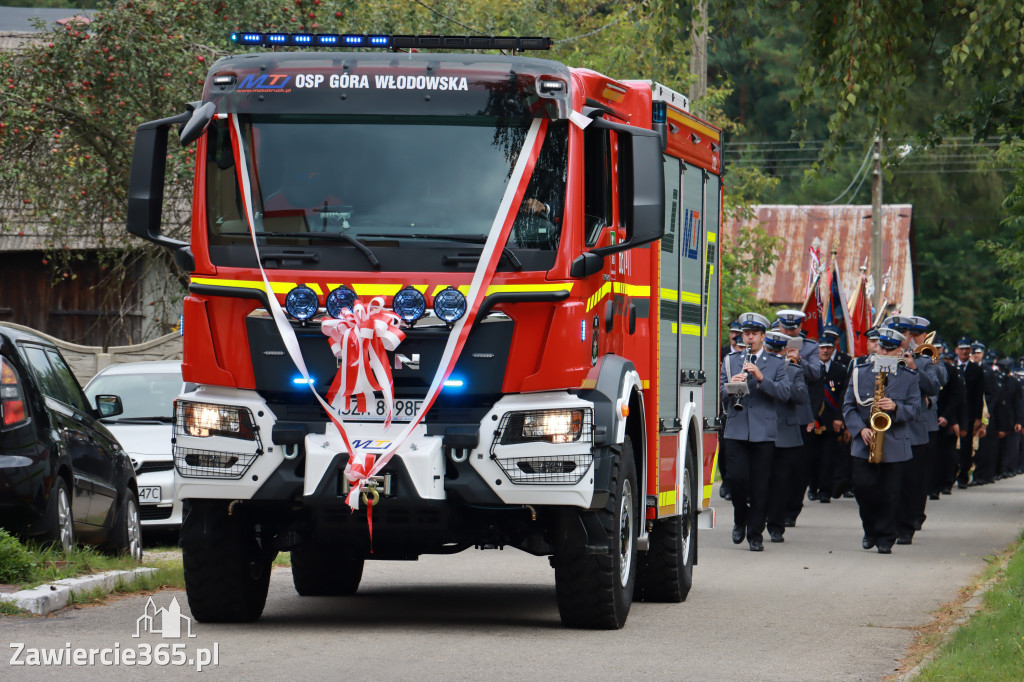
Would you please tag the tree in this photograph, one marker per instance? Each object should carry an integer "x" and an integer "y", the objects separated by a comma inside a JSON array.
[{"x": 70, "y": 103}]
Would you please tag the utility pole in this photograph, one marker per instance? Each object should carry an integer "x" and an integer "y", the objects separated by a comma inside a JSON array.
[
  {"x": 699, "y": 56},
  {"x": 876, "y": 220}
]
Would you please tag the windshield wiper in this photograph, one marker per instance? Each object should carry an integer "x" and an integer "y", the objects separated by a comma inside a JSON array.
[
  {"x": 330, "y": 236},
  {"x": 465, "y": 238}
]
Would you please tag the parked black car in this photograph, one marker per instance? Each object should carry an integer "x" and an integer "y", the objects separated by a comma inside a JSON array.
[{"x": 63, "y": 477}]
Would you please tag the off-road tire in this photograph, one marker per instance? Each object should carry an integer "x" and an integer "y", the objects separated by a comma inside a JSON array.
[
  {"x": 591, "y": 589},
  {"x": 227, "y": 573},
  {"x": 126, "y": 535},
  {"x": 325, "y": 572},
  {"x": 60, "y": 528},
  {"x": 665, "y": 570}
]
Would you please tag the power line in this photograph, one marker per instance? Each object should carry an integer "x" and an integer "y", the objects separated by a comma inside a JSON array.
[
  {"x": 447, "y": 18},
  {"x": 863, "y": 166}
]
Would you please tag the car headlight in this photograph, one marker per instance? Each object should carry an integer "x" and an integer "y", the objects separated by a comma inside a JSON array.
[
  {"x": 203, "y": 420},
  {"x": 549, "y": 426}
]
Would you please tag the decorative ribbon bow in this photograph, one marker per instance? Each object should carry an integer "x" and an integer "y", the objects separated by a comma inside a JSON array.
[{"x": 360, "y": 340}]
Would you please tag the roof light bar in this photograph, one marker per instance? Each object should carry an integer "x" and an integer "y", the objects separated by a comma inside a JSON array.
[{"x": 392, "y": 42}]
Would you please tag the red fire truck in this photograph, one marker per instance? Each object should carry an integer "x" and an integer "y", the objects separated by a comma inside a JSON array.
[{"x": 473, "y": 295}]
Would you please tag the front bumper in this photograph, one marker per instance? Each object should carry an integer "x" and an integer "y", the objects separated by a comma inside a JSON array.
[{"x": 484, "y": 474}]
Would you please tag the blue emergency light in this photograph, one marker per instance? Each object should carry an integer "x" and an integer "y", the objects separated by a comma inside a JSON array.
[{"x": 391, "y": 42}]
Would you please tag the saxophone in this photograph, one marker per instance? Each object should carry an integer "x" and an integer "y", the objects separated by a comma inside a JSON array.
[{"x": 879, "y": 421}]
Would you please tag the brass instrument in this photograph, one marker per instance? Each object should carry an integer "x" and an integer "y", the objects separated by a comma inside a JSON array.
[
  {"x": 926, "y": 349},
  {"x": 879, "y": 421}
]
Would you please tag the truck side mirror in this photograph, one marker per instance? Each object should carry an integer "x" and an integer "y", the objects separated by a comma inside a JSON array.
[
  {"x": 146, "y": 184},
  {"x": 641, "y": 186},
  {"x": 198, "y": 124}
]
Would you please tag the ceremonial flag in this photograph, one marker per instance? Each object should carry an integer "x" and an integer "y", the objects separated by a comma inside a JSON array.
[
  {"x": 811, "y": 309},
  {"x": 860, "y": 316},
  {"x": 834, "y": 309}
]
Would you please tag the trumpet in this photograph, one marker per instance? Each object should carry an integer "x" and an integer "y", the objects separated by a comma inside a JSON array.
[{"x": 926, "y": 349}]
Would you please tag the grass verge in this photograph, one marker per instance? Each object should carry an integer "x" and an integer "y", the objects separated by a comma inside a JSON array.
[{"x": 990, "y": 646}]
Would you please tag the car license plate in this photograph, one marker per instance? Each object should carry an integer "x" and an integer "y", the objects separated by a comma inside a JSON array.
[
  {"x": 149, "y": 494},
  {"x": 405, "y": 410}
]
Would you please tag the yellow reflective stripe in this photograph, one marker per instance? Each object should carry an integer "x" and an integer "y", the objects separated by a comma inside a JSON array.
[
  {"x": 277, "y": 287},
  {"x": 376, "y": 289},
  {"x": 368, "y": 289},
  {"x": 605, "y": 289},
  {"x": 686, "y": 329},
  {"x": 696, "y": 125},
  {"x": 690, "y": 297},
  {"x": 711, "y": 237},
  {"x": 501, "y": 288},
  {"x": 667, "y": 498},
  {"x": 637, "y": 290},
  {"x": 646, "y": 384},
  {"x": 707, "y": 491},
  {"x": 516, "y": 288},
  {"x": 686, "y": 296}
]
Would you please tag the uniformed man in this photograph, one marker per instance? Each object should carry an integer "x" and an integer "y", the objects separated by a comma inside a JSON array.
[
  {"x": 877, "y": 486},
  {"x": 789, "y": 323},
  {"x": 832, "y": 452},
  {"x": 986, "y": 450},
  {"x": 736, "y": 345},
  {"x": 735, "y": 339},
  {"x": 917, "y": 336},
  {"x": 751, "y": 427},
  {"x": 789, "y": 441},
  {"x": 1010, "y": 408},
  {"x": 952, "y": 406},
  {"x": 914, "y": 495},
  {"x": 970, "y": 424},
  {"x": 1019, "y": 373},
  {"x": 871, "y": 341}
]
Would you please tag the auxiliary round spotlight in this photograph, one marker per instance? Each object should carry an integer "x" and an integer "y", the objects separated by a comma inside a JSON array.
[
  {"x": 301, "y": 302},
  {"x": 450, "y": 305},
  {"x": 409, "y": 304},
  {"x": 338, "y": 300}
]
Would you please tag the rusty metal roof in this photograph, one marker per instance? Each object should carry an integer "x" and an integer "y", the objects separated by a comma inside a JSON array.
[{"x": 800, "y": 226}]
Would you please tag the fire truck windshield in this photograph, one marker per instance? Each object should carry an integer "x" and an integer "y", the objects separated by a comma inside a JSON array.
[{"x": 382, "y": 177}]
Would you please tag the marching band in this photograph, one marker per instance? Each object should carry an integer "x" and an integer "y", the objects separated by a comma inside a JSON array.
[{"x": 894, "y": 428}]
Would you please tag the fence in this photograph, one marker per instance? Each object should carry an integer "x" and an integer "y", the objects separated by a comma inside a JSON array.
[{"x": 86, "y": 361}]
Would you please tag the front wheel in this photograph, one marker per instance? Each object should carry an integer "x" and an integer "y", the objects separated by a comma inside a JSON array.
[
  {"x": 596, "y": 590},
  {"x": 227, "y": 573}
]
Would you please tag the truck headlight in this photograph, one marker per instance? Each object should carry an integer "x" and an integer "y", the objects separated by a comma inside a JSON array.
[
  {"x": 202, "y": 420},
  {"x": 548, "y": 426}
]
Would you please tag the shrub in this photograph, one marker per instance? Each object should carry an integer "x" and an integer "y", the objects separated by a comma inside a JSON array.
[{"x": 15, "y": 560}]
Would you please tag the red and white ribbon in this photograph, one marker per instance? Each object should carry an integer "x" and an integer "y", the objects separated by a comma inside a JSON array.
[
  {"x": 362, "y": 466},
  {"x": 360, "y": 340}
]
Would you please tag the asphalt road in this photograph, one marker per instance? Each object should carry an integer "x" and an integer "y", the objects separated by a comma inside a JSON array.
[{"x": 817, "y": 607}]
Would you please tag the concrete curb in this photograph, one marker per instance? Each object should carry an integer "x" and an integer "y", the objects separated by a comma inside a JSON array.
[
  {"x": 56, "y": 595},
  {"x": 970, "y": 607}
]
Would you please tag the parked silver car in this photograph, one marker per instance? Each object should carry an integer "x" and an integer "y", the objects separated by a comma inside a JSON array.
[{"x": 147, "y": 391}]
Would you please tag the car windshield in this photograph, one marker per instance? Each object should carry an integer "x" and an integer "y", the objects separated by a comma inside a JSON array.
[
  {"x": 380, "y": 177},
  {"x": 144, "y": 396}
]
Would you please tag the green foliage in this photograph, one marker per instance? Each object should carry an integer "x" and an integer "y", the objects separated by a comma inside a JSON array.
[
  {"x": 70, "y": 103},
  {"x": 1009, "y": 308},
  {"x": 991, "y": 645},
  {"x": 15, "y": 561},
  {"x": 746, "y": 255}
]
